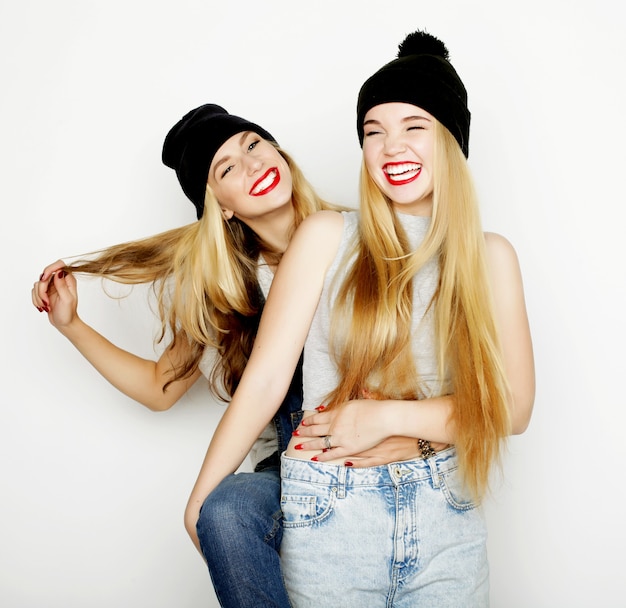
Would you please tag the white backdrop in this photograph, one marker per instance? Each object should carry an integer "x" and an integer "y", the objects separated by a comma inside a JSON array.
[{"x": 93, "y": 486}]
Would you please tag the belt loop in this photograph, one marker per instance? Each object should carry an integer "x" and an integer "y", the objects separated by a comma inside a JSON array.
[
  {"x": 341, "y": 481},
  {"x": 434, "y": 472}
]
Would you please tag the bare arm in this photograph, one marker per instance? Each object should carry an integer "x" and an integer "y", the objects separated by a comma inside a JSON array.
[
  {"x": 361, "y": 428},
  {"x": 282, "y": 332},
  {"x": 513, "y": 327},
  {"x": 138, "y": 378}
]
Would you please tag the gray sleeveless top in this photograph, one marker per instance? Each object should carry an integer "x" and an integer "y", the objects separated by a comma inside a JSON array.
[{"x": 319, "y": 371}]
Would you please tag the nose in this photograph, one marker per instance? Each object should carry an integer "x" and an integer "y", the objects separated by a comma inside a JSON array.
[
  {"x": 394, "y": 144},
  {"x": 253, "y": 164}
]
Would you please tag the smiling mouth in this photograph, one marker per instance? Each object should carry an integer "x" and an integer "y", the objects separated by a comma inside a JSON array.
[
  {"x": 266, "y": 183},
  {"x": 401, "y": 173}
]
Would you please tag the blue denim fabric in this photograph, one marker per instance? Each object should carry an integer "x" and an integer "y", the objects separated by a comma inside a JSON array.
[
  {"x": 290, "y": 413},
  {"x": 401, "y": 535},
  {"x": 240, "y": 524}
]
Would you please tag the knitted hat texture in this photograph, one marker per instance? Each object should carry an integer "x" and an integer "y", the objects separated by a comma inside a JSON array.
[
  {"x": 421, "y": 75},
  {"x": 192, "y": 142}
]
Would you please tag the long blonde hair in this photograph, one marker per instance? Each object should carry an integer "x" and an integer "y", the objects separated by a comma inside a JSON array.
[
  {"x": 204, "y": 279},
  {"x": 371, "y": 325}
]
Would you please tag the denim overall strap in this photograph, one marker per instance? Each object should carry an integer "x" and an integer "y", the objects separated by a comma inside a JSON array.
[{"x": 290, "y": 412}]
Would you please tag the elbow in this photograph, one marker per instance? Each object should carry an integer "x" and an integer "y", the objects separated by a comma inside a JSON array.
[
  {"x": 190, "y": 526},
  {"x": 159, "y": 406},
  {"x": 161, "y": 392},
  {"x": 519, "y": 426},
  {"x": 191, "y": 521},
  {"x": 521, "y": 415},
  {"x": 161, "y": 401}
]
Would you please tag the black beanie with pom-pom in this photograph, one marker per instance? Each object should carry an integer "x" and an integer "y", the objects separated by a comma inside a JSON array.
[
  {"x": 192, "y": 142},
  {"x": 423, "y": 76}
]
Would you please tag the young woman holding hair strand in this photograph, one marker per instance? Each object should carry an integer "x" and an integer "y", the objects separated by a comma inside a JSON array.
[{"x": 210, "y": 278}]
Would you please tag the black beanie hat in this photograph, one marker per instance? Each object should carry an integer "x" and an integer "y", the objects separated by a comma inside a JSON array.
[
  {"x": 422, "y": 76},
  {"x": 192, "y": 142}
]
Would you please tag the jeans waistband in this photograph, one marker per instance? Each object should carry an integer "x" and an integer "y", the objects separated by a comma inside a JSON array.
[{"x": 393, "y": 474}]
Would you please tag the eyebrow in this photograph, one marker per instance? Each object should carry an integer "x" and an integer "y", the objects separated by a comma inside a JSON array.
[
  {"x": 244, "y": 134},
  {"x": 405, "y": 119}
]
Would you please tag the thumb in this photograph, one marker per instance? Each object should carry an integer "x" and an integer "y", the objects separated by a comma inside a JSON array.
[{"x": 65, "y": 283}]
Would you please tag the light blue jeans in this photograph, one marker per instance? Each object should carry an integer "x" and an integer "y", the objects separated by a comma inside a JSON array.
[{"x": 402, "y": 535}]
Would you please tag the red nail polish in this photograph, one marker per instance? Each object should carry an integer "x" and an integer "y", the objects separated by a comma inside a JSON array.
[
  {"x": 61, "y": 274},
  {"x": 39, "y": 309},
  {"x": 320, "y": 408},
  {"x": 303, "y": 423},
  {"x": 314, "y": 459},
  {"x": 348, "y": 463},
  {"x": 41, "y": 277},
  {"x": 296, "y": 433},
  {"x": 298, "y": 447},
  {"x": 325, "y": 450}
]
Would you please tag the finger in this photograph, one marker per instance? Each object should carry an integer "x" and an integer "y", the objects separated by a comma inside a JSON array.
[
  {"x": 36, "y": 300},
  {"x": 316, "y": 444},
  {"x": 321, "y": 417},
  {"x": 361, "y": 463},
  {"x": 309, "y": 420},
  {"x": 60, "y": 281},
  {"x": 46, "y": 279},
  {"x": 334, "y": 454},
  {"x": 49, "y": 270},
  {"x": 40, "y": 297},
  {"x": 45, "y": 288},
  {"x": 312, "y": 430},
  {"x": 68, "y": 281}
]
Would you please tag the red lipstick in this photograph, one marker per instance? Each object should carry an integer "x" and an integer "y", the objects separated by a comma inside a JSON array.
[
  {"x": 266, "y": 183},
  {"x": 410, "y": 170}
]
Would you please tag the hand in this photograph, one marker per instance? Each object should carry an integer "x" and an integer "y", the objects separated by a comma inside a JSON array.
[
  {"x": 56, "y": 294},
  {"x": 354, "y": 427},
  {"x": 347, "y": 434},
  {"x": 392, "y": 449}
]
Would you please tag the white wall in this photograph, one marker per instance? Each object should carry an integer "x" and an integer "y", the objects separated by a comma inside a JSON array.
[{"x": 93, "y": 486}]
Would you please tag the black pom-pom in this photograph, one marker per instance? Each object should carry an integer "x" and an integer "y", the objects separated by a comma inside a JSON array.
[{"x": 422, "y": 43}]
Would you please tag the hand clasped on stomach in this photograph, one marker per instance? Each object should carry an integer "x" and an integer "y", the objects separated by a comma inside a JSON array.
[{"x": 308, "y": 454}]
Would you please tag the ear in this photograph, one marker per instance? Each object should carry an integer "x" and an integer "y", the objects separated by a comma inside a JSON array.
[{"x": 227, "y": 213}]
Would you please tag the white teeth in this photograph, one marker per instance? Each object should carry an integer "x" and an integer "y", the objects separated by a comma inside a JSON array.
[
  {"x": 403, "y": 168},
  {"x": 266, "y": 183}
]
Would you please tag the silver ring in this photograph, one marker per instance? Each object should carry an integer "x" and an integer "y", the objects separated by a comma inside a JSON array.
[{"x": 326, "y": 439}]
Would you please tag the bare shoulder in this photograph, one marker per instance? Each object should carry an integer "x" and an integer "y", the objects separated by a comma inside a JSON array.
[
  {"x": 500, "y": 251},
  {"x": 503, "y": 264},
  {"x": 496, "y": 243},
  {"x": 323, "y": 219},
  {"x": 325, "y": 226},
  {"x": 315, "y": 241}
]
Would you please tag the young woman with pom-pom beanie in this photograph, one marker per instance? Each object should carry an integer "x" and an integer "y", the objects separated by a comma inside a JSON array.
[{"x": 413, "y": 323}]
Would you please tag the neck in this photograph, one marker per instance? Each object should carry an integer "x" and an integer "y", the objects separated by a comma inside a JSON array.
[
  {"x": 423, "y": 207},
  {"x": 275, "y": 227}
]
